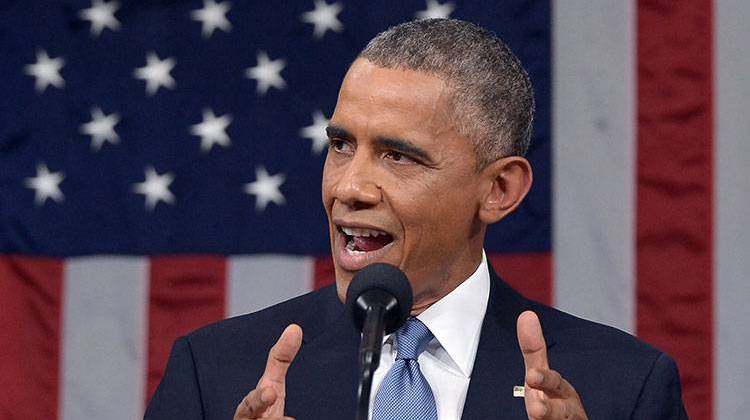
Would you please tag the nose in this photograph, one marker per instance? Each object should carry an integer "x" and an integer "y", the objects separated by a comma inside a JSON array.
[{"x": 357, "y": 187}]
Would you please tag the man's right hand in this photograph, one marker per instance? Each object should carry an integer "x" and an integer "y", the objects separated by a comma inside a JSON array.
[{"x": 266, "y": 401}]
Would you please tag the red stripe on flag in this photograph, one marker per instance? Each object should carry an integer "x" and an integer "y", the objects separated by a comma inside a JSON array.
[
  {"x": 30, "y": 316},
  {"x": 324, "y": 273},
  {"x": 186, "y": 292},
  {"x": 675, "y": 190},
  {"x": 529, "y": 273}
]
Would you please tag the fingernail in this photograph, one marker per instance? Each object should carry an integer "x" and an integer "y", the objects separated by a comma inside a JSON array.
[{"x": 264, "y": 397}]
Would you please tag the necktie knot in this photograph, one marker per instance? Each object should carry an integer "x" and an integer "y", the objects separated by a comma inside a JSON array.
[{"x": 412, "y": 339}]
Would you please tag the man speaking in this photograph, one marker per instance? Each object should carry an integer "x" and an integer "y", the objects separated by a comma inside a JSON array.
[{"x": 426, "y": 150}]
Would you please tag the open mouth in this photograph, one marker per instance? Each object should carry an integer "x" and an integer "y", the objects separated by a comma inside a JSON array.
[{"x": 361, "y": 240}]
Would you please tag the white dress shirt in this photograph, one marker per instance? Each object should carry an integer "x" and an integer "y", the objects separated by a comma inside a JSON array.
[{"x": 447, "y": 362}]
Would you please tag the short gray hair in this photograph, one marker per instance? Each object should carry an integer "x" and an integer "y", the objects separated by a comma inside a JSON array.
[{"x": 491, "y": 101}]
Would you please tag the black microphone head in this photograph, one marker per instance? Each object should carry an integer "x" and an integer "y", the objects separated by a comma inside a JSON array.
[{"x": 380, "y": 284}]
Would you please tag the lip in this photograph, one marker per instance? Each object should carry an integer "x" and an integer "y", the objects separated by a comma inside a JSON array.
[
  {"x": 358, "y": 225},
  {"x": 357, "y": 262}
]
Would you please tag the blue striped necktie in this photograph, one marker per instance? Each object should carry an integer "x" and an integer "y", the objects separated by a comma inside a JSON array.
[{"x": 405, "y": 393}]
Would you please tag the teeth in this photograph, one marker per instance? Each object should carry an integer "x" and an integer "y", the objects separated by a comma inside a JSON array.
[
  {"x": 354, "y": 252},
  {"x": 362, "y": 232},
  {"x": 350, "y": 249}
]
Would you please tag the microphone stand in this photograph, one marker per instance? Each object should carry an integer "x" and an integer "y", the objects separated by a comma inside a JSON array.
[{"x": 369, "y": 356}]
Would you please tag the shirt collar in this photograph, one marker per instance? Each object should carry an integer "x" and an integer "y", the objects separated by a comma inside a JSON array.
[{"x": 456, "y": 319}]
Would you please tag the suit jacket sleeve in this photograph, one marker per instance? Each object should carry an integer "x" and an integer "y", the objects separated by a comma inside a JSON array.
[
  {"x": 178, "y": 395},
  {"x": 661, "y": 395}
]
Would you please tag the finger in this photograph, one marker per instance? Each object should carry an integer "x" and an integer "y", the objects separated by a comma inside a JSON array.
[
  {"x": 282, "y": 354},
  {"x": 550, "y": 409},
  {"x": 531, "y": 341},
  {"x": 550, "y": 382},
  {"x": 255, "y": 403}
]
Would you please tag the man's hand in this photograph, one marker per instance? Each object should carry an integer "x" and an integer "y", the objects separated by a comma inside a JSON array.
[
  {"x": 266, "y": 401},
  {"x": 547, "y": 394}
]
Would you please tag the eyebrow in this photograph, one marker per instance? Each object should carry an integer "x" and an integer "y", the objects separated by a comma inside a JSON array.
[
  {"x": 337, "y": 131},
  {"x": 404, "y": 146},
  {"x": 400, "y": 145}
]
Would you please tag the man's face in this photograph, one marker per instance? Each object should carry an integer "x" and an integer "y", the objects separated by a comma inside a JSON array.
[{"x": 400, "y": 184}]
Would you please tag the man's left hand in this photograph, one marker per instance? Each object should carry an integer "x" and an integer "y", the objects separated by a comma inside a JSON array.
[{"x": 547, "y": 394}]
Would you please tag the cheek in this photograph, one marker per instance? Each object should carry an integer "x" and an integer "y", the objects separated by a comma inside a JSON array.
[
  {"x": 446, "y": 214},
  {"x": 440, "y": 193},
  {"x": 422, "y": 217}
]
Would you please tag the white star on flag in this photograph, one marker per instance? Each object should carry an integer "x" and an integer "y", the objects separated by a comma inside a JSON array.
[
  {"x": 265, "y": 188},
  {"x": 46, "y": 70},
  {"x": 212, "y": 130},
  {"x": 101, "y": 15},
  {"x": 156, "y": 73},
  {"x": 316, "y": 132},
  {"x": 101, "y": 128},
  {"x": 46, "y": 185},
  {"x": 213, "y": 16},
  {"x": 324, "y": 18},
  {"x": 436, "y": 10},
  {"x": 267, "y": 73},
  {"x": 155, "y": 188}
]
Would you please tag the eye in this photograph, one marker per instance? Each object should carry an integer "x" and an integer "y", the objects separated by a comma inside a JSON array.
[
  {"x": 340, "y": 146},
  {"x": 398, "y": 157}
]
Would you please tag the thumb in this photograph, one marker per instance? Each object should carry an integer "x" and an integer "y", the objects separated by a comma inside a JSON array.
[
  {"x": 282, "y": 354},
  {"x": 531, "y": 341}
]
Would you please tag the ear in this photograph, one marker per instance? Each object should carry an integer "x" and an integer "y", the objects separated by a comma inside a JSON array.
[{"x": 507, "y": 181}]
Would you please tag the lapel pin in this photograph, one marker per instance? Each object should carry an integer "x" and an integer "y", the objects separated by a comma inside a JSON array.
[{"x": 519, "y": 391}]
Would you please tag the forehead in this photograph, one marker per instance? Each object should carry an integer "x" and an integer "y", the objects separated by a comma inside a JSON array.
[
  {"x": 389, "y": 96},
  {"x": 364, "y": 71}
]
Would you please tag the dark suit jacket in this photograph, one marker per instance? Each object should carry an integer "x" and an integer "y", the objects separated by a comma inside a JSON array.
[{"x": 212, "y": 369}]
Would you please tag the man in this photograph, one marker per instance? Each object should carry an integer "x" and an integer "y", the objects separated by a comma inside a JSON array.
[{"x": 426, "y": 146}]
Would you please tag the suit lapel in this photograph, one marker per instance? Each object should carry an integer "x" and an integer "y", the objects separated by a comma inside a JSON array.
[
  {"x": 324, "y": 380},
  {"x": 499, "y": 364}
]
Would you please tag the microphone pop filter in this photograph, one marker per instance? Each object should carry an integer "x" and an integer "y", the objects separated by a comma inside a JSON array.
[{"x": 380, "y": 283}]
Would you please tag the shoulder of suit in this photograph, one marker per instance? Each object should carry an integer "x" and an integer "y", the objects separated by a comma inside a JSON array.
[
  {"x": 564, "y": 331},
  {"x": 267, "y": 324},
  {"x": 577, "y": 334}
]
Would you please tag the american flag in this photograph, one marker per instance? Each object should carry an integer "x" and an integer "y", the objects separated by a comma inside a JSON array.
[{"x": 160, "y": 164}]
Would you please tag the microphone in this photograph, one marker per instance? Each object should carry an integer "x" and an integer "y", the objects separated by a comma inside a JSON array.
[{"x": 379, "y": 300}]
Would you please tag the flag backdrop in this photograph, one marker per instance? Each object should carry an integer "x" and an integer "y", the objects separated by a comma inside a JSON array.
[{"x": 160, "y": 165}]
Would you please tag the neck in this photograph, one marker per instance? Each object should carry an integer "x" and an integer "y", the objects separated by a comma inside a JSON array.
[{"x": 422, "y": 301}]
